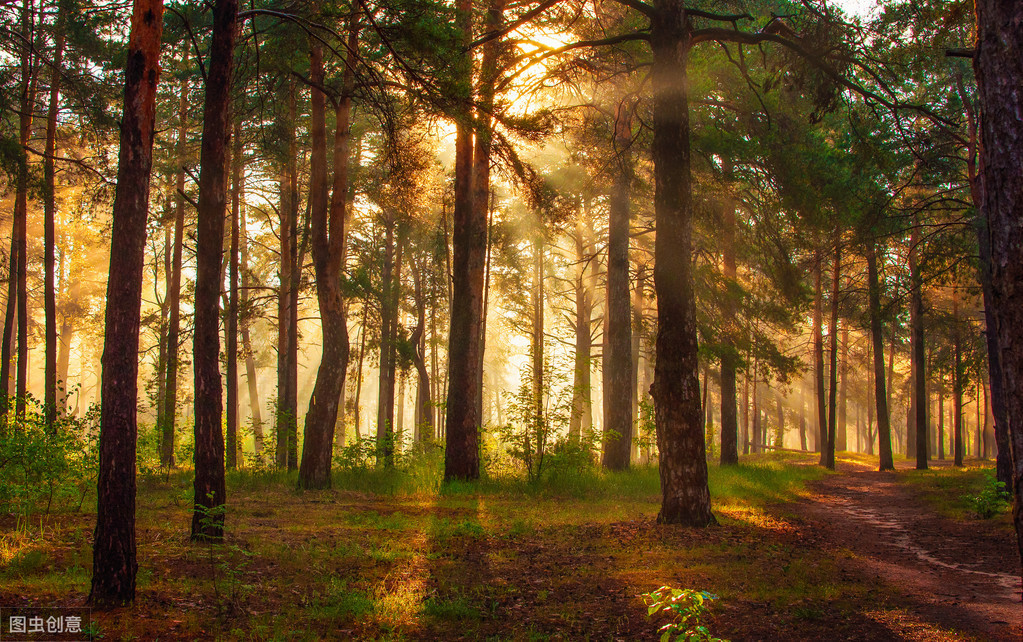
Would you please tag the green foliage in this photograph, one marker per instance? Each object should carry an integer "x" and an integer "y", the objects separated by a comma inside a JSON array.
[
  {"x": 686, "y": 610},
  {"x": 991, "y": 500},
  {"x": 43, "y": 469}
]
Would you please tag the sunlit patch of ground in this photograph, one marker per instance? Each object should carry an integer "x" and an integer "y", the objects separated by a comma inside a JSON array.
[{"x": 493, "y": 561}]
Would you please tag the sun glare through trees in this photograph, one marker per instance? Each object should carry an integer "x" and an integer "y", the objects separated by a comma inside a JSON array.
[{"x": 479, "y": 319}]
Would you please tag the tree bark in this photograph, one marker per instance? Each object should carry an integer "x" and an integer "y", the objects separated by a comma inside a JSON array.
[
  {"x": 918, "y": 360},
  {"x": 424, "y": 398},
  {"x": 829, "y": 454},
  {"x": 617, "y": 358},
  {"x": 287, "y": 341},
  {"x": 49, "y": 233},
  {"x": 208, "y": 518},
  {"x": 818, "y": 360},
  {"x": 114, "y": 559},
  {"x": 20, "y": 227},
  {"x": 958, "y": 374},
  {"x": 880, "y": 395},
  {"x": 676, "y": 390},
  {"x": 168, "y": 413},
  {"x": 469, "y": 240},
  {"x": 328, "y": 234},
  {"x": 729, "y": 354},
  {"x": 581, "y": 417},
  {"x": 233, "y": 445}
]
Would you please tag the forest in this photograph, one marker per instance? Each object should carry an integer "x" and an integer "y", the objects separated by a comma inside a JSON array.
[{"x": 511, "y": 319}]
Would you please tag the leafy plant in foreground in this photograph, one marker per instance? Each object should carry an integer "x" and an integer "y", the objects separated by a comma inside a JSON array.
[
  {"x": 991, "y": 500},
  {"x": 686, "y": 609}
]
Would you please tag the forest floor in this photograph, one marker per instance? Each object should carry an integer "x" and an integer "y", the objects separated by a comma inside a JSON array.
[{"x": 800, "y": 554}]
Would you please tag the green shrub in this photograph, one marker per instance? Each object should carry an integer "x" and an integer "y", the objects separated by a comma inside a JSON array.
[
  {"x": 991, "y": 500},
  {"x": 47, "y": 468},
  {"x": 685, "y": 609}
]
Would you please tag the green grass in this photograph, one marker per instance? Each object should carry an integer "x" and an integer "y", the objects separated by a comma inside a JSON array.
[
  {"x": 395, "y": 554},
  {"x": 949, "y": 491}
]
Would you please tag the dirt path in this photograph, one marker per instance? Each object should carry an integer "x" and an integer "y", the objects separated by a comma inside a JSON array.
[{"x": 962, "y": 575}]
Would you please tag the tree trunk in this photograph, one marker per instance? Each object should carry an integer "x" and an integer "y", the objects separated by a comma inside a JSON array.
[
  {"x": 841, "y": 432},
  {"x": 208, "y": 517},
  {"x": 231, "y": 326},
  {"x": 617, "y": 358},
  {"x": 328, "y": 234},
  {"x": 287, "y": 342},
  {"x": 469, "y": 240},
  {"x": 829, "y": 455},
  {"x": 114, "y": 561},
  {"x": 581, "y": 393},
  {"x": 424, "y": 398},
  {"x": 958, "y": 374},
  {"x": 917, "y": 353},
  {"x": 729, "y": 355},
  {"x": 880, "y": 395},
  {"x": 676, "y": 390},
  {"x": 818, "y": 359},
  {"x": 535, "y": 442},
  {"x": 250, "y": 362},
  {"x": 168, "y": 412},
  {"x": 941, "y": 417},
  {"x": 20, "y": 226},
  {"x": 49, "y": 233},
  {"x": 388, "y": 320}
]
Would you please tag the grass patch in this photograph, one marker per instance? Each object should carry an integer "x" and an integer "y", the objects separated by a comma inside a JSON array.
[
  {"x": 394, "y": 554},
  {"x": 951, "y": 491}
]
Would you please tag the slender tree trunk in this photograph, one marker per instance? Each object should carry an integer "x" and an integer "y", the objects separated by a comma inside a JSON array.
[
  {"x": 358, "y": 373},
  {"x": 818, "y": 360},
  {"x": 757, "y": 425},
  {"x": 233, "y": 445},
  {"x": 729, "y": 355},
  {"x": 829, "y": 454},
  {"x": 841, "y": 432},
  {"x": 210, "y": 492},
  {"x": 918, "y": 356},
  {"x": 617, "y": 358},
  {"x": 327, "y": 223},
  {"x": 388, "y": 314},
  {"x": 534, "y": 446},
  {"x": 168, "y": 413},
  {"x": 881, "y": 396},
  {"x": 114, "y": 560},
  {"x": 286, "y": 341},
  {"x": 676, "y": 390},
  {"x": 49, "y": 214},
  {"x": 250, "y": 362},
  {"x": 581, "y": 393},
  {"x": 941, "y": 417},
  {"x": 802, "y": 422},
  {"x": 958, "y": 374},
  {"x": 424, "y": 398},
  {"x": 745, "y": 415},
  {"x": 20, "y": 230}
]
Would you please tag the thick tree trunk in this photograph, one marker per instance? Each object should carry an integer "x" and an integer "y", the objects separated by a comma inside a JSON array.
[
  {"x": 208, "y": 516},
  {"x": 676, "y": 390},
  {"x": 617, "y": 358},
  {"x": 49, "y": 232},
  {"x": 328, "y": 234},
  {"x": 880, "y": 394},
  {"x": 232, "y": 444},
  {"x": 469, "y": 240},
  {"x": 114, "y": 561},
  {"x": 481, "y": 193}
]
